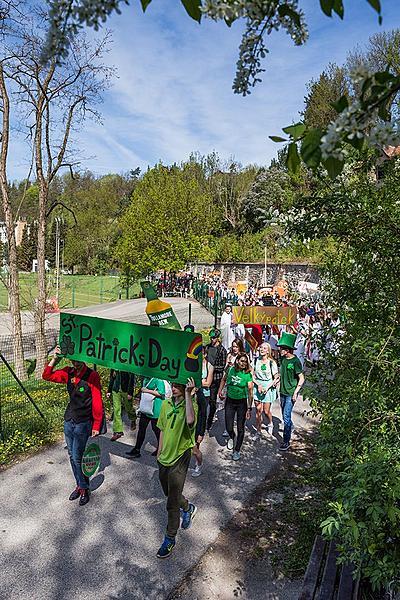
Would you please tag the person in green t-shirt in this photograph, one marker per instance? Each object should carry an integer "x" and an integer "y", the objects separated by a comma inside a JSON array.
[
  {"x": 291, "y": 381},
  {"x": 239, "y": 400},
  {"x": 177, "y": 422},
  {"x": 156, "y": 388}
]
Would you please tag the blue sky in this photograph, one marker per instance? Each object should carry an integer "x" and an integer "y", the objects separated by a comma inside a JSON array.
[{"x": 173, "y": 94}]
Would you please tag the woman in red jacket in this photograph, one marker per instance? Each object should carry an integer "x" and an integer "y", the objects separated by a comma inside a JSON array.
[{"x": 82, "y": 416}]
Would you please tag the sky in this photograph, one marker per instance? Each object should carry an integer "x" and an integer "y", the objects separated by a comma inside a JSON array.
[{"x": 173, "y": 91}]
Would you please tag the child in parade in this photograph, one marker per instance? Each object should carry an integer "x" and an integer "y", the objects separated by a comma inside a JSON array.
[
  {"x": 177, "y": 423},
  {"x": 203, "y": 395},
  {"x": 239, "y": 400},
  {"x": 82, "y": 417}
]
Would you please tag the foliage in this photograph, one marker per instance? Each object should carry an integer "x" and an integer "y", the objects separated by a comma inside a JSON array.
[
  {"x": 357, "y": 393},
  {"x": 330, "y": 86},
  {"x": 167, "y": 223},
  {"x": 67, "y": 17}
]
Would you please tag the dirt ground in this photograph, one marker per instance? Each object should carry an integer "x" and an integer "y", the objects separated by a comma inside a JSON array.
[{"x": 263, "y": 551}]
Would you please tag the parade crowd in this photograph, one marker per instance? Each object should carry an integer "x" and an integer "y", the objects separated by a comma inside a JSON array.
[{"x": 244, "y": 368}]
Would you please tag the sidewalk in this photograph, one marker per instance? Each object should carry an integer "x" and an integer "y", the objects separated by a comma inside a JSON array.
[{"x": 52, "y": 549}]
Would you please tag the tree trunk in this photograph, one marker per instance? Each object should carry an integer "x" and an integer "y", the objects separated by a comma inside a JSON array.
[
  {"x": 13, "y": 286},
  {"x": 40, "y": 308}
]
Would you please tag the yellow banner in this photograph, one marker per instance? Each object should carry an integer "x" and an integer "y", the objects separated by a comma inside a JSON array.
[{"x": 264, "y": 315}]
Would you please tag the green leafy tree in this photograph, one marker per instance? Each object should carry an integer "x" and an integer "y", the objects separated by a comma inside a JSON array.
[
  {"x": 24, "y": 251},
  {"x": 165, "y": 226},
  {"x": 330, "y": 86}
]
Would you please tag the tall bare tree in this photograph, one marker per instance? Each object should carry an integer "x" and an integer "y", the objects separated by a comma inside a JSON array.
[
  {"x": 53, "y": 100},
  {"x": 12, "y": 281}
]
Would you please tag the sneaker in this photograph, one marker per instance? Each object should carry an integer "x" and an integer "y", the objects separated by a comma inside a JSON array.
[
  {"x": 188, "y": 516},
  {"x": 236, "y": 455},
  {"x": 284, "y": 446},
  {"x": 85, "y": 497},
  {"x": 270, "y": 429},
  {"x": 115, "y": 436},
  {"x": 166, "y": 547},
  {"x": 225, "y": 433},
  {"x": 75, "y": 494},
  {"x": 231, "y": 443},
  {"x": 197, "y": 471},
  {"x": 134, "y": 453}
]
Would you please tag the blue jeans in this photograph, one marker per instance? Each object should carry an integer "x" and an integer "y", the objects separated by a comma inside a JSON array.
[
  {"x": 76, "y": 436},
  {"x": 287, "y": 407}
]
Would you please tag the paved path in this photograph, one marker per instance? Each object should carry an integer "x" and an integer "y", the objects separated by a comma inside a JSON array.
[{"x": 52, "y": 549}]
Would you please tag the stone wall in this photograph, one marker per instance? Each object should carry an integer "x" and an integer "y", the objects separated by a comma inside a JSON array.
[{"x": 254, "y": 272}]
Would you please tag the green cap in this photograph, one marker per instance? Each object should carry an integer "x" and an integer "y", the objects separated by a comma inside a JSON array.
[{"x": 288, "y": 340}]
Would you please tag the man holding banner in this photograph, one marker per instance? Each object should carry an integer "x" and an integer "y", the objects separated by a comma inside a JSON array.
[
  {"x": 177, "y": 422},
  {"x": 82, "y": 416}
]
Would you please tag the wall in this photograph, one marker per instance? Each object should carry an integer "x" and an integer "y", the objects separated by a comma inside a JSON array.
[{"x": 254, "y": 272}]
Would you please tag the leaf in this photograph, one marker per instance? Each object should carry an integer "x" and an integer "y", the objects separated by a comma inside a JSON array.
[
  {"x": 341, "y": 104},
  {"x": 293, "y": 158},
  {"x": 356, "y": 142},
  {"x": 375, "y": 4},
  {"x": 310, "y": 148},
  {"x": 192, "y": 8},
  {"x": 296, "y": 130},
  {"x": 286, "y": 11},
  {"x": 338, "y": 8},
  {"x": 276, "y": 138},
  {"x": 334, "y": 166},
  {"x": 384, "y": 77},
  {"x": 326, "y": 7},
  {"x": 145, "y": 4}
]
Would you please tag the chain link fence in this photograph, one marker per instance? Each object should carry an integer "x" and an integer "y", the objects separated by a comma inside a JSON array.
[{"x": 26, "y": 406}]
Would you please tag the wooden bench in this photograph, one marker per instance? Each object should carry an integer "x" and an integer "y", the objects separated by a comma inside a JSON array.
[{"x": 324, "y": 578}]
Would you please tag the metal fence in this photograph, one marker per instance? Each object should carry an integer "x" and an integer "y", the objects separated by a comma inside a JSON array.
[
  {"x": 23, "y": 405},
  {"x": 211, "y": 298}
]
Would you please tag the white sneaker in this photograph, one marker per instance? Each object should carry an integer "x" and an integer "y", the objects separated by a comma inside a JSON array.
[
  {"x": 197, "y": 471},
  {"x": 270, "y": 428},
  {"x": 231, "y": 443}
]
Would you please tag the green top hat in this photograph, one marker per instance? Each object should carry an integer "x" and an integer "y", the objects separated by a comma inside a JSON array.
[
  {"x": 215, "y": 333},
  {"x": 288, "y": 340}
]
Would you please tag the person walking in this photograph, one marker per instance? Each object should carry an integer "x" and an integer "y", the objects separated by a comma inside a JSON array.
[
  {"x": 152, "y": 396},
  {"x": 177, "y": 422},
  {"x": 120, "y": 390},
  {"x": 239, "y": 400},
  {"x": 290, "y": 382},
  {"x": 266, "y": 379},
  {"x": 203, "y": 395},
  {"x": 82, "y": 417},
  {"x": 227, "y": 334},
  {"x": 216, "y": 355}
]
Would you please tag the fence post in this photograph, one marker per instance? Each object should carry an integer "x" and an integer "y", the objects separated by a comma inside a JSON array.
[{"x": 190, "y": 314}]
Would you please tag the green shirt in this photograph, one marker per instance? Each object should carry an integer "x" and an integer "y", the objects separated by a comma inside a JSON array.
[
  {"x": 290, "y": 371},
  {"x": 177, "y": 436},
  {"x": 237, "y": 384},
  {"x": 157, "y": 385}
]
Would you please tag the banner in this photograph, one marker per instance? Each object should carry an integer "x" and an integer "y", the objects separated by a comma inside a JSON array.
[
  {"x": 264, "y": 315},
  {"x": 141, "y": 349}
]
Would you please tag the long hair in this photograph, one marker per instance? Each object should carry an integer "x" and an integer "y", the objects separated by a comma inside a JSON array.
[
  {"x": 236, "y": 365},
  {"x": 239, "y": 344}
]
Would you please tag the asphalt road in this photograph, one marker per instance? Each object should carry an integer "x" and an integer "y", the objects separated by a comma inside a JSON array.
[{"x": 52, "y": 549}]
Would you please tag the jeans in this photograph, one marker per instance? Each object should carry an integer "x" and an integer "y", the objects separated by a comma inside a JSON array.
[
  {"x": 76, "y": 436},
  {"x": 212, "y": 403},
  {"x": 144, "y": 421},
  {"x": 287, "y": 407},
  {"x": 172, "y": 480},
  {"x": 238, "y": 407}
]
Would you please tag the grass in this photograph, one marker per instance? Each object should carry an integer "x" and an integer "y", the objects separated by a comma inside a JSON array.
[{"x": 75, "y": 290}]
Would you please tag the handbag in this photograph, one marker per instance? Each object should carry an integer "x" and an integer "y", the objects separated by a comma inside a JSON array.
[{"x": 146, "y": 404}]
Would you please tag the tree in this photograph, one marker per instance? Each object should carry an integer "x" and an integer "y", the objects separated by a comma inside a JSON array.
[
  {"x": 164, "y": 227},
  {"x": 52, "y": 99},
  {"x": 24, "y": 251},
  {"x": 322, "y": 94}
]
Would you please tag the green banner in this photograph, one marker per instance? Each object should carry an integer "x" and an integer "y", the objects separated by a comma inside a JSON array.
[{"x": 141, "y": 349}]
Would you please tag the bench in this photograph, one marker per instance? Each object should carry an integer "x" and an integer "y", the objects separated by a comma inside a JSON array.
[{"x": 324, "y": 578}]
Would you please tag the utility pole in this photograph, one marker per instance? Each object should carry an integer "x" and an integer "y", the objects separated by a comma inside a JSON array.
[{"x": 57, "y": 219}]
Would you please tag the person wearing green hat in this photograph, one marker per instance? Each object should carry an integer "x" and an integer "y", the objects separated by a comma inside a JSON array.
[{"x": 291, "y": 381}]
